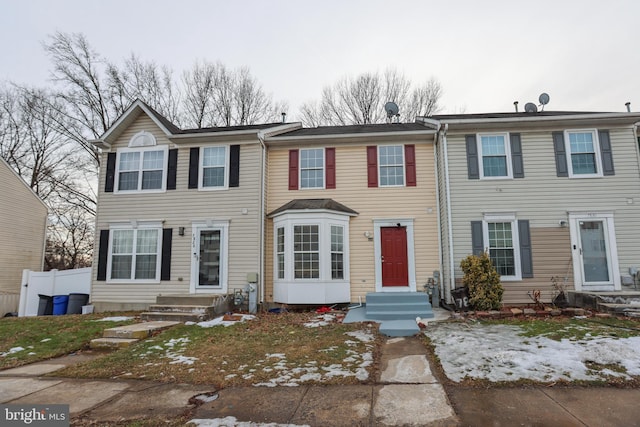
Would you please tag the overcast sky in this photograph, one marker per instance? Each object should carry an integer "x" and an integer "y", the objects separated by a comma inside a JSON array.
[{"x": 486, "y": 54}]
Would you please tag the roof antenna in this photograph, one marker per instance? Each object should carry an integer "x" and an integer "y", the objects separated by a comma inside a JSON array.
[
  {"x": 515, "y": 104},
  {"x": 628, "y": 104},
  {"x": 284, "y": 117}
]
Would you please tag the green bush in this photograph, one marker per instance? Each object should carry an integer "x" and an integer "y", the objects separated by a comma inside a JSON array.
[{"x": 482, "y": 281}]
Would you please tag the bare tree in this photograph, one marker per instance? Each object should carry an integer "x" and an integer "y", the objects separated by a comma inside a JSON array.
[
  {"x": 147, "y": 81},
  {"x": 53, "y": 167},
  {"x": 361, "y": 100},
  {"x": 218, "y": 96}
]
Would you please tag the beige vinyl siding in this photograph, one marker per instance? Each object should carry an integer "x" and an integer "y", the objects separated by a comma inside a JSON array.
[
  {"x": 179, "y": 208},
  {"x": 371, "y": 203},
  {"x": 23, "y": 220},
  {"x": 545, "y": 199}
]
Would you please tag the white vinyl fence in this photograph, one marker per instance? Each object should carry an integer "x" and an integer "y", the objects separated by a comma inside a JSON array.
[{"x": 51, "y": 283}]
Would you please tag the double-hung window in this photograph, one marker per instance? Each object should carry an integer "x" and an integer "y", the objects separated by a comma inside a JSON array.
[
  {"x": 213, "y": 167},
  {"x": 135, "y": 254},
  {"x": 502, "y": 240},
  {"x": 337, "y": 252},
  {"x": 312, "y": 168},
  {"x": 391, "y": 165},
  {"x": 583, "y": 149},
  {"x": 142, "y": 169},
  {"x": 306, "y": 252},
  {"x": 495, "y": 153}
]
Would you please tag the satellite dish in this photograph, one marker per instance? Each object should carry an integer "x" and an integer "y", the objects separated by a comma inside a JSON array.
[
  {"x": 543, "y": 98},
  {"x": 391, "y": 108},
  {"x": 530, "y": 107}
]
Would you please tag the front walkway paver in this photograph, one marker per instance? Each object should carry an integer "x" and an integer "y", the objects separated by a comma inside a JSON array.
[
  {"x": 13, "y": 388},
  {"x": 79, "y": 395}
]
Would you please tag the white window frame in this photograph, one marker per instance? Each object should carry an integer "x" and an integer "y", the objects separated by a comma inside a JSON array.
[
  {"x": 324, "y": 169},
  {"x": 404, "y": 167},
  {"x": 597, "y": 153},
  {"x": 142, "y": 150},
  {"x": 324, "y": 221},
  {"x": 201, "y": 168},
  {"x": 515, "y": 240},
  {"x": 507, "y": 149},
  {"x": 216, "y": 225},
  {"x": 135, "y": 226}
]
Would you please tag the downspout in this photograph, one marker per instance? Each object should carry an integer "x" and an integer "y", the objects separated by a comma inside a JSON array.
[
  {"x": 438, "y": 208},
  {"x": 452, "y": 269},
  {"x": 263, "y": 185}
]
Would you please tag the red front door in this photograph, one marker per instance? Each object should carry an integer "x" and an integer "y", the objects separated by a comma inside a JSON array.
[{"x": 395, "y": 270}]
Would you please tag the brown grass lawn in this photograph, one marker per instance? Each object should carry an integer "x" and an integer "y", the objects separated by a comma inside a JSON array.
[
  {"x": 272, "y": 349},
  {"x": 26, "y": 340}
]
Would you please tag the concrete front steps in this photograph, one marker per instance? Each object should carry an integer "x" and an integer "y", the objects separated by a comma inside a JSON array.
[
  {"x": 620, "y": 303},
  {"x": 187, "y": 308},
  {"x": 396, "y": 312},
  {"x": 124, "y": 336}
]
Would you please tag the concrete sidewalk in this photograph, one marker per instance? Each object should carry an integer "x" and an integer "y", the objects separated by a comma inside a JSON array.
[{"x": 405, "y": 394}]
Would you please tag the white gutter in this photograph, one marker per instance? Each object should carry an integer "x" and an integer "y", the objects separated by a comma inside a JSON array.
[
  {"x": 448, "y": 198},
  {"x": 352, "y": 135},
  {"x": 536, "y": 118}
]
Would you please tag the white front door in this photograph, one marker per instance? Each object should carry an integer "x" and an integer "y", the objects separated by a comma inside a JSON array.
[
  {"x": 595, "y": 260},
  {"x": 208, "y": 260}
]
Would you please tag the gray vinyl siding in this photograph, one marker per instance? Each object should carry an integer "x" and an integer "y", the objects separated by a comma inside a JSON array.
[
  {"x": 179, "y": 208},
  {"x": 544, "y": 199}
]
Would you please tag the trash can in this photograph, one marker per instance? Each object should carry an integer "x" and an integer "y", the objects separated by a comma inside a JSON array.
[
  {"x": 461, "y": 298},
  {"x": 45, "y": 306},
  {"x": 76, "y": 301},
  {"x": 60, "y": 304}
]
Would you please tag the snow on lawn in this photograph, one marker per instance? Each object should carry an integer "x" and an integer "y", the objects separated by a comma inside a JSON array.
[
  {"x": 114, "y": 319},
  {"x": 233, "y": 422},
  {"x": 354, "y": 365},
  {"x": 12, "y": 351},
  {"x": 220, "y": 321},
  {"x": 173, "y": 350},
  {"x": 500, "y": 353}
]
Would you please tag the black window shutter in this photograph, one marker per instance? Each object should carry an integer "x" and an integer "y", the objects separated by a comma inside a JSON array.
[
  {"x": 516, "y": 155},
  {"x": 526, "y": 258},
  {"x": 111, "y": 173},
  {"x": 472, "y": 157},
  {"x": 606, "y": 153},
  {"x": 172, "y": 169},
  {"x": 477, "y": 237},
  {"x": 560, "y": 154},
  {"x": 234, "y": 166},
  {"x": 165, "y": 267},
  {"x": 103, "y": 253},
  {"x": 194, "y": 166}
]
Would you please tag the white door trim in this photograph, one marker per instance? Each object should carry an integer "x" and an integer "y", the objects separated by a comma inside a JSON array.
[
  {"x": 614, "y": 283},
  {"x": 377, "y": 253},
  {"x": 197, "y": 227}
]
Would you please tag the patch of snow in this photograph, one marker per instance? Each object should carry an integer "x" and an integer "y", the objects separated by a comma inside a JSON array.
[
  {"x": 114, "y": 319},
  {"x": 321, "y": 320},
  {"x": 12, "y": 351},
  {"x": 501, "y": 353},
  {"x": 45, "y": 340},
  {"x": 363, "y": 336},
  {"x": 219, "y": 321},
  {"x": 233, "y": 422}
]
